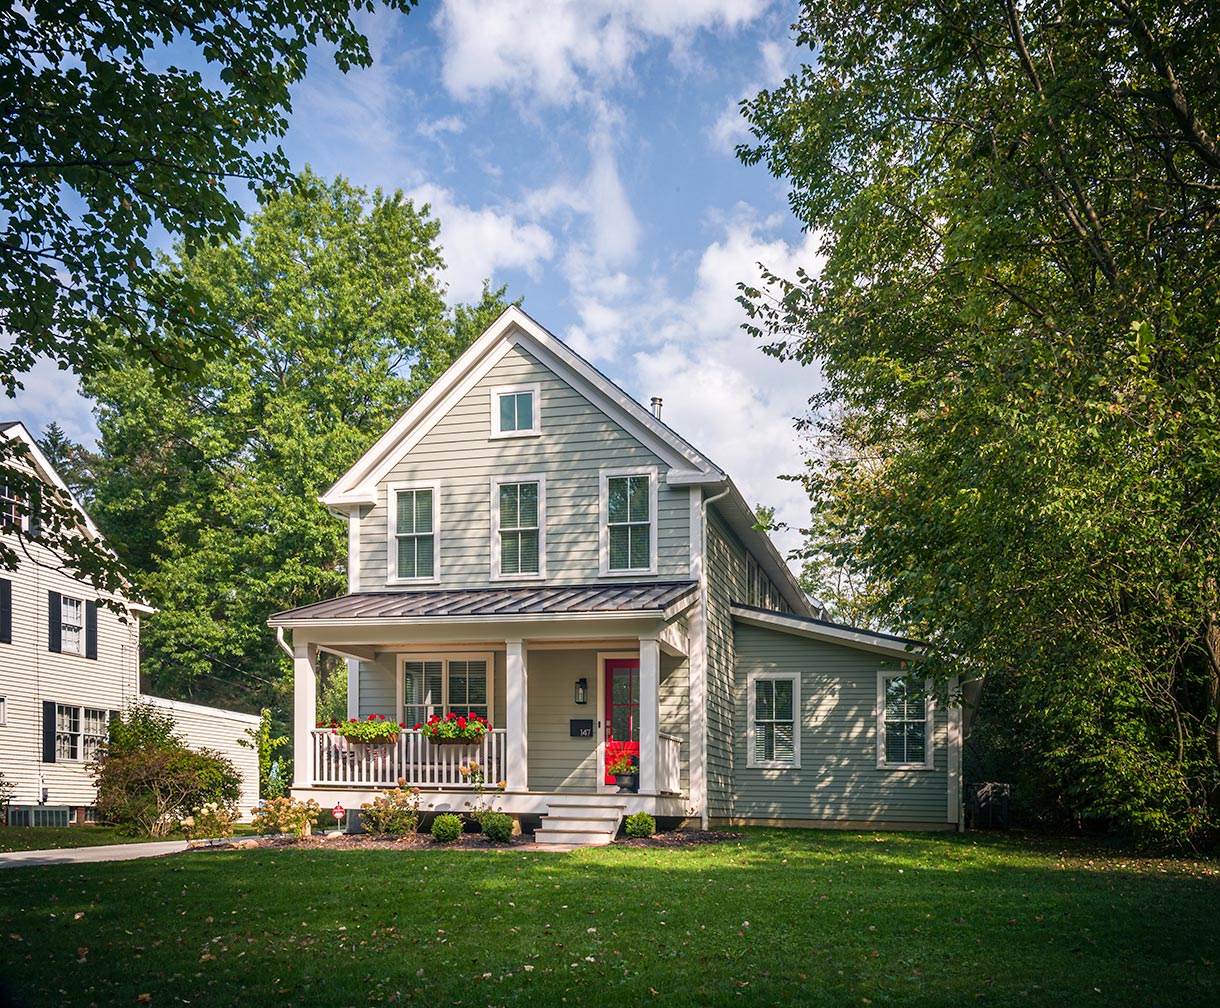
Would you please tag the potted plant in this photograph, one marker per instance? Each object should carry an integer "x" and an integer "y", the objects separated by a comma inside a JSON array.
[
  {"x": 376, "y": 729},
  {"x": 454, "y": 729},
  {"x": 622, "y": 766}
]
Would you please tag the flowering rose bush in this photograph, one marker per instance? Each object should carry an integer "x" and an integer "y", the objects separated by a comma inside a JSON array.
[
  {"x": 454, "y": 726},
  {"x": 376, "y": 728}
]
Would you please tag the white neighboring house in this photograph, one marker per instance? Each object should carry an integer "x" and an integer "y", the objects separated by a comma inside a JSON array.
[{"x": 68, "y": 663}]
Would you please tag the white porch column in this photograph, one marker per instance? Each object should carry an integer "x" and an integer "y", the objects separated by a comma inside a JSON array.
[
  {"x": 516, "y": 774},
  {"x": 650, "y": 685},
  {"x": 304, "y": 712}
]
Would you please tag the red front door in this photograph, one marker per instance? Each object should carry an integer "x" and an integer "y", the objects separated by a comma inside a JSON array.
[{"x": 622, "y": 709}]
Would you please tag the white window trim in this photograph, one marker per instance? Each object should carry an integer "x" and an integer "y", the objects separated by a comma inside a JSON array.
[
  {"x": 929, "y": 760},
  {"x": 499, "y": 390},
  {"x": 496, "y": 483},
  {"x": 80, "y": 628},
  {"x": 391, "y": 544},
  {"x": 445, "y": 658},
  {"x": 3, "y": 710},
  {"x": 794, "y": 678},
  {"x": 603, "y": 521}
]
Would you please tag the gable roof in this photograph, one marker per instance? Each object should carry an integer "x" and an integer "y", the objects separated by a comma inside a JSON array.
[
  {"x": 830, "y": 633},
  {"x": 515, "y": 328},
  {"x": 46, "y": 472},
  {"x": 512, "y": 328}
]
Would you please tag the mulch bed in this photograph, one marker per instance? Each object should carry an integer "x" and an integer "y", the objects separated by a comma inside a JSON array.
[{"x": 414, "y": 841}]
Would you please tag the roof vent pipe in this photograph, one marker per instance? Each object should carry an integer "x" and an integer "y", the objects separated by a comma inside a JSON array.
[{"x": 656, "y": 406}]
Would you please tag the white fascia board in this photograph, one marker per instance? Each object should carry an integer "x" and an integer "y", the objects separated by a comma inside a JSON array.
[
  {"x": 694, "y": 477},
  {"x": 190, "y": 708},
  {"x": 358, "y": 485},
  {"x": 611, "y": 399},
  {"x": 861, "y": 640},
  {"x": 47, "y": 474}
]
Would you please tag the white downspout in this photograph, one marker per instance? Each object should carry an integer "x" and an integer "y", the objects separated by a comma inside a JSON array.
[
  {"x": 703, "y": 619},
  {"x": 279, "y": 639}
]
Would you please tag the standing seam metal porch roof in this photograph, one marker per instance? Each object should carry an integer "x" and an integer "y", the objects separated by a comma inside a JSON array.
[{"x": 584, "y": 599}]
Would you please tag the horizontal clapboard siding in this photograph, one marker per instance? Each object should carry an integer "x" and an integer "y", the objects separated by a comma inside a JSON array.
[
  {"x": 379, "y": 688},
  {"x": 577, "y": 441},
  {"x": 222, "y": 731},
  {"x": 674, "y": 712},
  {"x": 557, "y": 761},
  {"x": 30, "y": 675},
  {"x": 838, "y": 777},
  {"x": 726, "y": 566}
]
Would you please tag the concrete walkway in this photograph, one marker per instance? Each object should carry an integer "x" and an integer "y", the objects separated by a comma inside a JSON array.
[{"x": 83, "y": 855}]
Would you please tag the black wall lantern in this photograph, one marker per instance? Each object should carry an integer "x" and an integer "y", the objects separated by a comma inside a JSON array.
[{"x": 582, "y": 691}]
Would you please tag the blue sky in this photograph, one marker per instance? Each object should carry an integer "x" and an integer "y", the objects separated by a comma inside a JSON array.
[{"x": 582, "y": 153}]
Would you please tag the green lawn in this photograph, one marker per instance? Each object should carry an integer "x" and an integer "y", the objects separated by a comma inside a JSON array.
[
  {"x": 23, "y": 838},
  {"x": 781, "y": 917}
]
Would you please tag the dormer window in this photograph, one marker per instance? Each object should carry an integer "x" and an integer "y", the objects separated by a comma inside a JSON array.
[{"x": 516, "y": 411}]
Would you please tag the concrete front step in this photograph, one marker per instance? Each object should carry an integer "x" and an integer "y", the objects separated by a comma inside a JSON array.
[{"x": 579, "y": 823}]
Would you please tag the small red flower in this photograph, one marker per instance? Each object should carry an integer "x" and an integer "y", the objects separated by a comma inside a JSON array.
[
  {"x": 417, "y": 727},
  {"x": 461, "y": 722}
]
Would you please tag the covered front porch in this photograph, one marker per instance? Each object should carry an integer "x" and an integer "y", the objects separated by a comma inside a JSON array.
[{"x": 595, "y": 665}]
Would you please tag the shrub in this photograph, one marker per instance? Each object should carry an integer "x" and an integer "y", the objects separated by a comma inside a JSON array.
[
  {"x": 394, "y": 812},
  {"x": 497, "y": 826},
  {"x": 7, "y": 789},
  {"x": 641, "y": 825},
  {"x": 210, "y": 822},
  {"x": 286, "y": 815},
  {"x": 147, "y": 778},
  {"x": 446, "y": 827}
]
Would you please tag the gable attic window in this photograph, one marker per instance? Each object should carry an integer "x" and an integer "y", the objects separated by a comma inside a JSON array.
[
  {"x": 518, "y": 518},
  {"x": 412, "y": 546},
  {"x": 628, "y": 522},
  {"x": 516, "y": 410},
  {"x": 904, "y": 722}
]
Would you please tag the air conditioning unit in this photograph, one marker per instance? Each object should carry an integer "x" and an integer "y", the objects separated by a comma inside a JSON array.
[{"x": 39, "y": 815}]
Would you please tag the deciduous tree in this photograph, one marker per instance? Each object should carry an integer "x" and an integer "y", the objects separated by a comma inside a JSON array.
[{"x": 1019, "y": 322}]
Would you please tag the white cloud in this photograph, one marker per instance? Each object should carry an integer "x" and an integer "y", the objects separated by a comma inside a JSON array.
[
  {"x": 435, "y": 127},
  {"x": 551, "y": 51},
  {"x": 777, "y": 61},
  {"x": 52, "y": 394},
  {"x": 477, "y": 243},
  {"x": 720, "y": 391}
]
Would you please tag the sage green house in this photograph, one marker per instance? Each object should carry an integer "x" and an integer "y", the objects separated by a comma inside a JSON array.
[{"x": 529, "y": 544}]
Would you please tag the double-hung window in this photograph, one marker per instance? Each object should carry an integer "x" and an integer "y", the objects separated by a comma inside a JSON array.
[
  {"x": 79, "y": 732},
  {"x": 904, "y": 722},
  {"x": 773, "y": 736},
  {"x": 628, "y": 522},
  {"x": 440, "y": 684},
  {"x": 71, "y": 625},
  {"x": 413, "y": 516},
  {"x": 516, "y": 410},
  {"x": 518, "y": 515}
]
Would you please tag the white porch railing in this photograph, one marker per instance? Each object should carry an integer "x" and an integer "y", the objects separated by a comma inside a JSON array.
[
  {"x": 336, "y": 761},
  {"x": 669, "y": 763}
]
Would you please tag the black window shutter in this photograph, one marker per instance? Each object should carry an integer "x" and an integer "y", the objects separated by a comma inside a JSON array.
[
  {"x": 6, "y": 611},
  {"x": 48, "y": 731},
  {"x": 35, "y": 521},
  {"x": 90, "y": 629},
  {"x": 55, "y": 622}
]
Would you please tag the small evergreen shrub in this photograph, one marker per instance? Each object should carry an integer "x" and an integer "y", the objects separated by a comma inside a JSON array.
[
  {"x": 395, "y": 813},
  {"x": 497, "y": 826},
  {"x": 446, "y": 827},
  {"x": 641, "y": 825}
]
